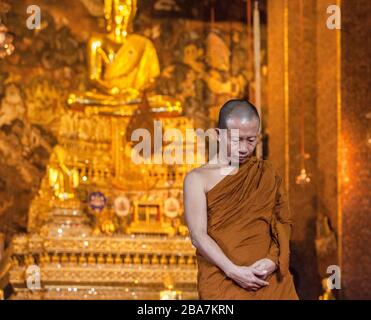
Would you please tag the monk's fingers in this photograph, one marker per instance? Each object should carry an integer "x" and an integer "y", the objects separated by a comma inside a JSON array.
[
  {"x": 242, "y": 284},
  {"x": 252, "y": 288},
  {"x": 259, "y": 273},
  {"x": 256, "y": 264},
  {"x": 259, "y": 266},
  {"x": 264, "y": 277},
  {"x": 260, "y": 282},
  {"x": 249, "y": 286}
]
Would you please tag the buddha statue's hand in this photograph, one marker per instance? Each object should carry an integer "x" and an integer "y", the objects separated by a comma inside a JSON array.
[
  {"x": 114, "y": 91},
  {"x": 125, "y": 93},
  {"x": 265, "y": 264}
]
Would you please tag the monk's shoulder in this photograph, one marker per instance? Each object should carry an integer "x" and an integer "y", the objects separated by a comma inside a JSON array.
[
  {"x": 269, "y": 168},
  {"x": 194, "y": 177}
]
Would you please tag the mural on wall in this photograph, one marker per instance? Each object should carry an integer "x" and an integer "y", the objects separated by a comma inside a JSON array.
[
  {"x": 202, "y": 64},
  {"x": 33, "y": 83},
  {"x": 203, "y": 72}
]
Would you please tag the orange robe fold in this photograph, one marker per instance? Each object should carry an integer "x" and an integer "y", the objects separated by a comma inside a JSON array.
[{"x": 250, "y": 219}]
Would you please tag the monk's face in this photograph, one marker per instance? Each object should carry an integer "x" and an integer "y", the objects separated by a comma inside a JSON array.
[{"x": 245, "y": 143}]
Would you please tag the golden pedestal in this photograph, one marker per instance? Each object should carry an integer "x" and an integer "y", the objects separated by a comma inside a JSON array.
[{"x": 114, "y": 267}]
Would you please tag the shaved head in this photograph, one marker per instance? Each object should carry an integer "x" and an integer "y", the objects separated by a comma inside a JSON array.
[{"x": 237, "y": 108}]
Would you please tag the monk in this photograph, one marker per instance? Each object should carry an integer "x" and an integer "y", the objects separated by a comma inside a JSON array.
[{"x": 240, "y": 223}]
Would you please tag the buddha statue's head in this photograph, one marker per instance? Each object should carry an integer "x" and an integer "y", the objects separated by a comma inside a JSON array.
[{"x": 119, "y": 16}]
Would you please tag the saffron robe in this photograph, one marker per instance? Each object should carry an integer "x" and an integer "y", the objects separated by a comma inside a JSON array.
[{"x": 249, "y": 218}]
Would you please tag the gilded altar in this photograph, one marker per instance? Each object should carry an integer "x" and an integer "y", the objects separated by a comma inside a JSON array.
[{"x": 132, "y": 245}]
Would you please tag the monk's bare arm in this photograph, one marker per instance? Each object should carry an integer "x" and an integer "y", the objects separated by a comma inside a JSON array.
[{"x": 196, "y": 218}]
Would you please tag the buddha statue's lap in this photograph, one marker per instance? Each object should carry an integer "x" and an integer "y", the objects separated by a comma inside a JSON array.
[{"x": 122, "y": 65}]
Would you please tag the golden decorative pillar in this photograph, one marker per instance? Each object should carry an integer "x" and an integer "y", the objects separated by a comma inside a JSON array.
[{"x": 291, "y": 95}]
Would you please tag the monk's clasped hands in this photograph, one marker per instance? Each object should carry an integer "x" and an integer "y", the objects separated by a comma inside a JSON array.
[
  {"x": 252, "y": 277},
  {"x": 248, "y": 278}
]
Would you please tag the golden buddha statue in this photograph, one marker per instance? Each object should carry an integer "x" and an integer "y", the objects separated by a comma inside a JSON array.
[
  {"x": 62, "y": 179},
  {"x": 122, "y": 65}
]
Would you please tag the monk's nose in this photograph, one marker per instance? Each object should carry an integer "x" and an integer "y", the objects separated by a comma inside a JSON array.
[{"x": 244, "y": 148}]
